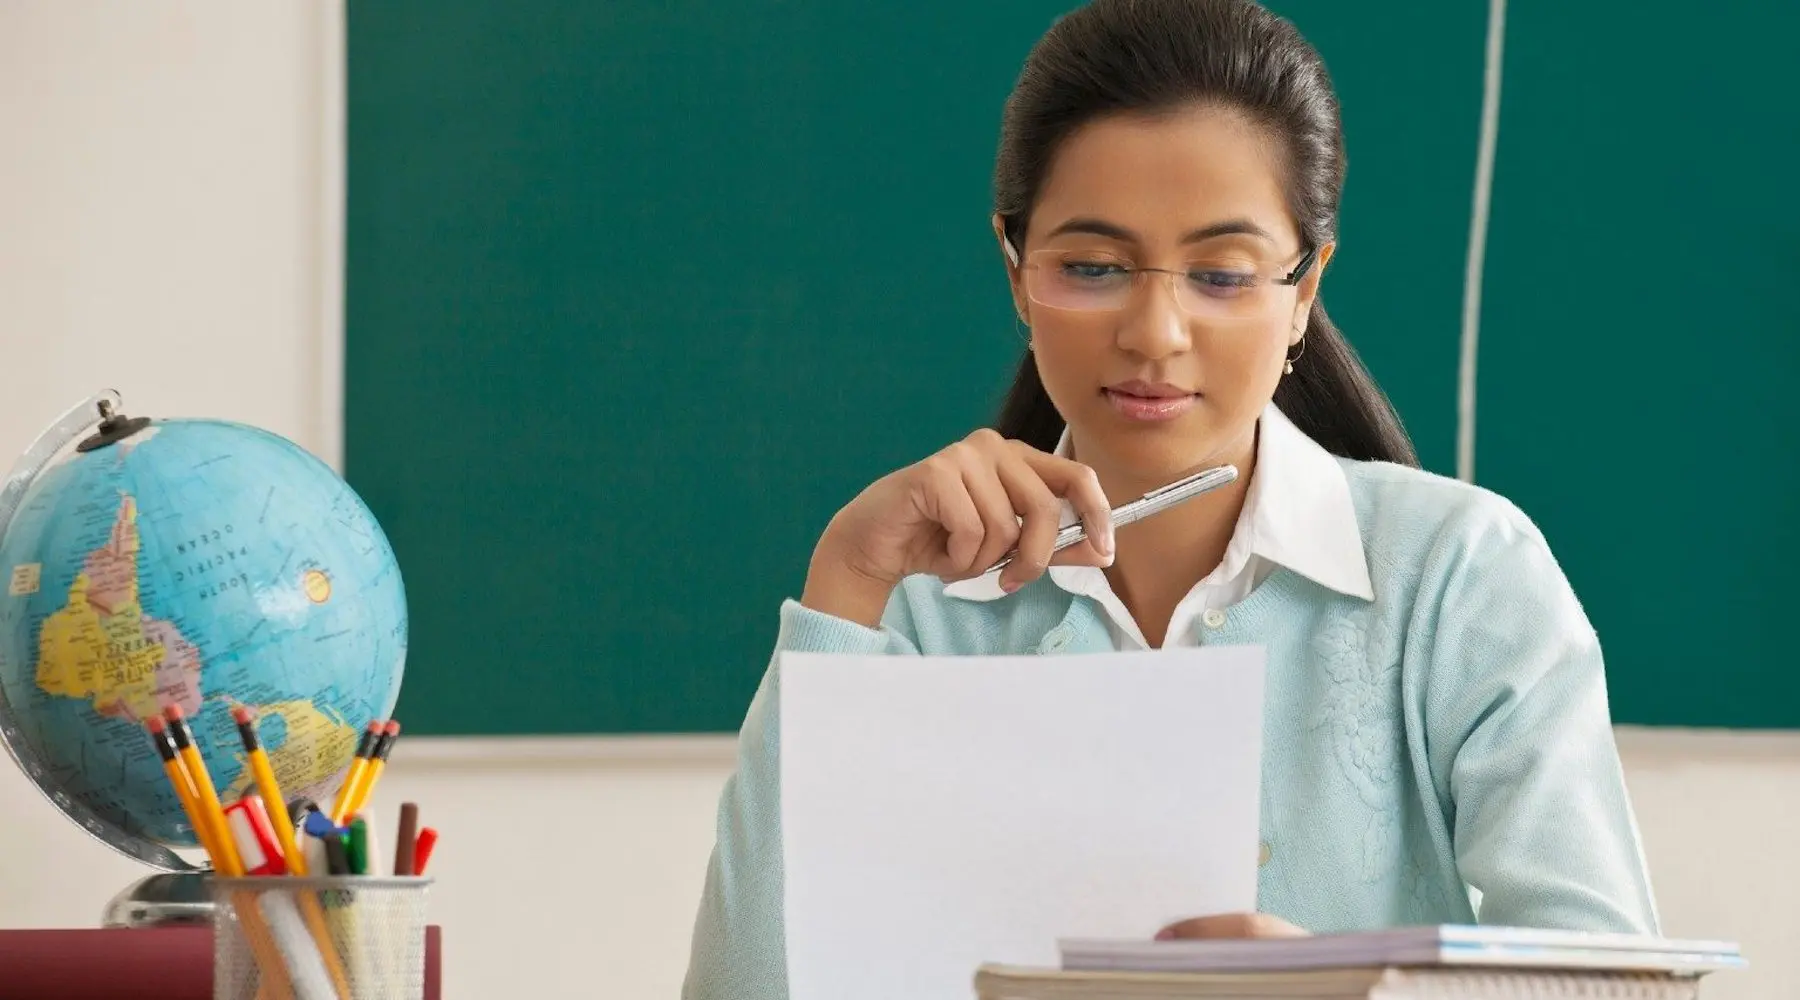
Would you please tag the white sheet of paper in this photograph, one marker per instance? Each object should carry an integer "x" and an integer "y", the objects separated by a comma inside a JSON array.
[{"x": 942, "y": 812}]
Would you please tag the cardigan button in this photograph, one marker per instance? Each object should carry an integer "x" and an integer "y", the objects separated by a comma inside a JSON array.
[
  {"x": 1262, "y": 854},
  {"x": 1057, "y": 639},
  {"x": 1214, "y": 618}
]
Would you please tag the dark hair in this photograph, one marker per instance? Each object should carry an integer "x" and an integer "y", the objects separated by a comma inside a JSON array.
[{"x": 1148, "y": 56}]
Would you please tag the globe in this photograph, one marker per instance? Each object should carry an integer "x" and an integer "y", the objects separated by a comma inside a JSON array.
[{"x": 195, "y": 563}]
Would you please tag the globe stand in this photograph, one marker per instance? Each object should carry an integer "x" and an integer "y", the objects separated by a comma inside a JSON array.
[
  {"x": 161, "y": 900},
  {"x": 178, "y": 893}
]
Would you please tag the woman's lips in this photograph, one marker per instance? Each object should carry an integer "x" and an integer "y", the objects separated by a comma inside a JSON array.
[{"x": 1149, "y": 409}]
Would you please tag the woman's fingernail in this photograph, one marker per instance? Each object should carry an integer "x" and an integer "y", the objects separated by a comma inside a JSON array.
[
  {"x": 1166, "y": 934},
  {"x": 1008, "y": 586}
]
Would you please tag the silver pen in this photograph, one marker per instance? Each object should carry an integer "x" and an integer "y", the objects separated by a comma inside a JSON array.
[{"x": 1154, "y": 502}]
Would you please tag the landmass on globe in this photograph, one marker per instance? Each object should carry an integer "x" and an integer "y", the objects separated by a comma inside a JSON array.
[
  {"x": 100, "y": 645},
  {"x": 202, "y": 565}
]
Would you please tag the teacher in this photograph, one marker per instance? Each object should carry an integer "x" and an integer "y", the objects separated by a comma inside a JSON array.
[{"x": 1437, "y": 741}]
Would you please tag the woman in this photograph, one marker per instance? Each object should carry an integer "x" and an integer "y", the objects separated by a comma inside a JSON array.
[{"x": 1437, "y": 741}]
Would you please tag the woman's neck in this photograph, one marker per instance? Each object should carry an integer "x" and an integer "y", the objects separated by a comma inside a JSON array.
[{"x": 1161, "y": 558}]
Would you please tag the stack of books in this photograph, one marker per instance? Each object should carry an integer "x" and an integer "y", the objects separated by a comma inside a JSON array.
[{"x": 1412, "y": 963}]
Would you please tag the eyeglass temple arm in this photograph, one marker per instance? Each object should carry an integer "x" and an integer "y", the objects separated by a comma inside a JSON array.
[{"x": 1300, "y": 269}]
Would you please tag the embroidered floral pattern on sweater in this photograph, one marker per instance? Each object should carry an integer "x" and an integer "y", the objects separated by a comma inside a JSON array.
[
  {"x": 1359, "y": 717},
  {"x": 1422, "y": 882}
]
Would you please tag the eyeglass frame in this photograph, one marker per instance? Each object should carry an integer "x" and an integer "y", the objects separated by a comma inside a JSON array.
[{"x": 1301, "y": 267}]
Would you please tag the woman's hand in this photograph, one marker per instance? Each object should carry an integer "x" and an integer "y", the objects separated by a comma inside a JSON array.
[
  {"x": 1231, "y": 925},
  {"x": 954, "y": 515}
]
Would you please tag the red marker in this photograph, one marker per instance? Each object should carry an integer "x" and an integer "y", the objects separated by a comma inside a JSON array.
[
  {"x": 254, "y": 836},
  {"x": 422, "y": 850}
]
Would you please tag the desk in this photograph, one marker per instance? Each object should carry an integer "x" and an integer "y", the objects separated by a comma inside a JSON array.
[{"x": 115, "y": 963}]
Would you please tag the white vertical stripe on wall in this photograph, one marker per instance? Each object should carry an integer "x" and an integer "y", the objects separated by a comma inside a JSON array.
[{"x": 1478, "y": 225}]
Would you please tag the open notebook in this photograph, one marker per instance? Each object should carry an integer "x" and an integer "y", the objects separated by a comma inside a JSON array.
[
  {"x": 1450, "y": 944},
  {"x": 1412, "y": 963},
  {"x": 997, "y": 982}
]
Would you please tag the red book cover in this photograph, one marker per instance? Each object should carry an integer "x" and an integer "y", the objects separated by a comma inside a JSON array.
[{"x": 165, "y": 963}]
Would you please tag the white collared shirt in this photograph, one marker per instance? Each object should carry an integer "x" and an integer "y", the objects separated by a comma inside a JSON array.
[{"x": 1297, "y": 514}]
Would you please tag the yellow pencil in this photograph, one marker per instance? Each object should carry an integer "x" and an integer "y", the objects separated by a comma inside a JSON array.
[
  {"x": 340, "y": 808},
  {"x": 184, "y": 786},
  {"x": 227, "y": 862},
  {"x": 270, "y": 790},
  {"x": 377, "y": 763},
  {"x": 206, "y": 797}
]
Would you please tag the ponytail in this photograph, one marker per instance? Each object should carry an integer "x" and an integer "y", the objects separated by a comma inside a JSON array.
[{"x": 1332, "y": 397}]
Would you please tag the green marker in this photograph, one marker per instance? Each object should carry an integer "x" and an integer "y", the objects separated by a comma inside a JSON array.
[{"x": 359, "y": 846}]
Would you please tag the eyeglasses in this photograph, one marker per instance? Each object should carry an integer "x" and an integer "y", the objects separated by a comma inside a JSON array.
[{"x": 1097, "y": 281}]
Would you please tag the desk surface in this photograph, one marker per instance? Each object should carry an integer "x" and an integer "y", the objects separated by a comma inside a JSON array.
[{"x": 175, "y": 963}]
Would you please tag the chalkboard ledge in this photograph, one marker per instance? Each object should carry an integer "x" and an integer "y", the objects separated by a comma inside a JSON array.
[
  {"x": 1674, "y": 744},
  {"x": 1643, "y": 744},
  {"x": 476, "y": 751}
]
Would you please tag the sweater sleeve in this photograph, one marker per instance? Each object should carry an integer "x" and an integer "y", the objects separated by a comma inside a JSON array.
[
  {"x": 738, "y": 949},
  {"x": 1522, "y": 740}
]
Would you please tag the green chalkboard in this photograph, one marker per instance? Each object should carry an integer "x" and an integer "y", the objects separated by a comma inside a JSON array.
[
  {"x": 1638, "y": 350},
  {"x": 636, "y": 298}
]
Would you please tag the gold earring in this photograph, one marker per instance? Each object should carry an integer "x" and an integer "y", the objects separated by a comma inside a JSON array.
[{"x": 1287, "y": 366}]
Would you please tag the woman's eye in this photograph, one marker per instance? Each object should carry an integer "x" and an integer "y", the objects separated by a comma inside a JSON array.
[
  {"x": 1095, "y": 270},
  {"x": 1218, "y": 282}
]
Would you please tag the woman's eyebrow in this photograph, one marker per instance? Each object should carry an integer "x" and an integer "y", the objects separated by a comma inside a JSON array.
[
  {"x": 1112, "y": 231},
  {"x": 1230, "y": 227}
]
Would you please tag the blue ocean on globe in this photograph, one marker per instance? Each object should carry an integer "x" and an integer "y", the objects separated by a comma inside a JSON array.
[{"x": 206, "y": 565}]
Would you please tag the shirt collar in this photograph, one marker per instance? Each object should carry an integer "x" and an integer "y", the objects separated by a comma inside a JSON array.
[
  {"x": 1304, "y": 518},
  {"x": 1298, "y": 514}
]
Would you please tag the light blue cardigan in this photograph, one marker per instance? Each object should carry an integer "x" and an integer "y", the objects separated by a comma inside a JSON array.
[{"x": 1440, "y": 754}]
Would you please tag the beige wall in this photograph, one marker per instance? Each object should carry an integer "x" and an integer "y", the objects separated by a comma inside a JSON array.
[
  {"x": 168, "y": 228},
  {"x": 162, "y": 211}
]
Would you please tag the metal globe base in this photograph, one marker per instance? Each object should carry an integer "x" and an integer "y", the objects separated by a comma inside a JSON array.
[{"x": 161, "y": 900}]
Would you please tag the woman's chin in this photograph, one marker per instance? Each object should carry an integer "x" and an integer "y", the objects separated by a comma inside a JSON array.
[{"x": 1155, "y": 457}]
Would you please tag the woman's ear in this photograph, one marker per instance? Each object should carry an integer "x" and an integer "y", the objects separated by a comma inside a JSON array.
[
  {"x": 1014, "y": 272},
  {"x": 1308, "y": 291}
]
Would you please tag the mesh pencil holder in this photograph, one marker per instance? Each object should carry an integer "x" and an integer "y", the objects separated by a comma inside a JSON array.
[{"x": 355, "y": 937}]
